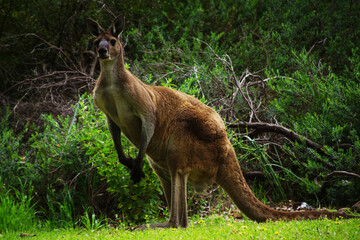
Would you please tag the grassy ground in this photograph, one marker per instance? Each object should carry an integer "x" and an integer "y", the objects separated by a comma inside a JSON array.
[{"x": 216, "y": 227}]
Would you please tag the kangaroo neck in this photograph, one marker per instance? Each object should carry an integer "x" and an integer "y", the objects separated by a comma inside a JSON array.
[{"x": 113, "y": 71}]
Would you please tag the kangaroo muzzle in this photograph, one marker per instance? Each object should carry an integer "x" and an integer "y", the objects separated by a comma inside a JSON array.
[{"x": 103, "y": 50}]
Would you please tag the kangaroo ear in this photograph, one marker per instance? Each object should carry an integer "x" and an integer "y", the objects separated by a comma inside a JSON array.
[
  {"x": 94, "y": 27},
  {"x": 117, "y": 26}
]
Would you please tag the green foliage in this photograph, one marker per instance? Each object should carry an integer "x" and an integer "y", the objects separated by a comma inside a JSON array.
[
  {"x": 60, "y": 169},
  {"x": 189, "y": 86},
  {"x": 323, "y": 106},
  {"x": 72, "y": 162},
  {"x": 316, "y": 102},
  {"x": 91, "y": 223},
  {"x": 9, "y": 149},
  {"x": 60, "y": 214},
  {"x": 17, "y": 212},
  {"x": 267, "y": 167}
]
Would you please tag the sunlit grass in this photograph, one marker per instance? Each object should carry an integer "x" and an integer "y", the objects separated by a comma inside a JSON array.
[{"x": 217, "y": 227}]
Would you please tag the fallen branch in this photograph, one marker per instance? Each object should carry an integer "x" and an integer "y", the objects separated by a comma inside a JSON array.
[
  {"x": 257, "y": 174},
  {"x": 326, "y": 182},
  {"x": 261, "y": 127},
  {"x": 340, "y": 173}
]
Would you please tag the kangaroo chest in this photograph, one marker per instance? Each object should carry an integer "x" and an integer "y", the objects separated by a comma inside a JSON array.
[{"x": 116, "y": 105}]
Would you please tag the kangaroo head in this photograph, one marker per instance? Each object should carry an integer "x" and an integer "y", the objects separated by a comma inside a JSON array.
[{"x": 108, "y": 45}]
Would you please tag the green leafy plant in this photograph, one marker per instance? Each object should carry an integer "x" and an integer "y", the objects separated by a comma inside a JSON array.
[
  {"x": 12, "y": 159},
  {"x": 323, "y": 106},
  {"x": 91, "y": 222},
  {"x": 17, "y": 212}
]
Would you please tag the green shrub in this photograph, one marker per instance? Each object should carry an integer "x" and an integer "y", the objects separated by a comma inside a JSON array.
[
  {"x": 91, "y": 223},
  {"x": 17, "y": 212},
  {"x": 76, "y": 162},
  {"x": 323, "y": 106},
  {"x": 11, "y": 150},
  {"x": 59, "y": 168}
]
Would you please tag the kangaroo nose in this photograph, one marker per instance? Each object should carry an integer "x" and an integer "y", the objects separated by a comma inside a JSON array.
[
  {"x": 103, "y": 49},
  {"x": 102, "y": 52},
  {"x": 104, "y": 44}
]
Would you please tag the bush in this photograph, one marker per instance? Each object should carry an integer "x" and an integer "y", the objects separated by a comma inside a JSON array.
[
  {"x": 72, "y": 164},
  {"x": 17, "y": 212},
  {"x": 11, "y": 159},
  {"x": 135, "y": 203},
  {"x": 323, "y": 106}
]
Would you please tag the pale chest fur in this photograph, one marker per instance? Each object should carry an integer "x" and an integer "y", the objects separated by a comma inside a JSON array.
[{"x": 111, "y": 99}]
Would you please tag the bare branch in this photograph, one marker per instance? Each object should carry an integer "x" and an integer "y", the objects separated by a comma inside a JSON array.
[
  {"x": 73, "y": 65},
  {"x": 261, "y": 127},
  {"x": 326, "y": 182},
  {"x": 341, "y": 173},
  {"x": 257, "y": 174}
]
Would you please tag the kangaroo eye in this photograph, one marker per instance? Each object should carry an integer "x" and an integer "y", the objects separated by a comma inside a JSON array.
[
  {"x": 113, "y": 42},
  {"x": 97, "y": 42}
]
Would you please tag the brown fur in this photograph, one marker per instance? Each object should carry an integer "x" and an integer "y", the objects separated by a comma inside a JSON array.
[{"x": 184, "y": 138}]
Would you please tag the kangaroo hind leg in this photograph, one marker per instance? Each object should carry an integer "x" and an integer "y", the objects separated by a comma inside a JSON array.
[
  {"x": 178, "y": 205},
  {"x": 178, "y": 211}
]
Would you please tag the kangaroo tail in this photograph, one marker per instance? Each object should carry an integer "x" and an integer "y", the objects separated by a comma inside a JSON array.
[{"x": 231, "y": 179}]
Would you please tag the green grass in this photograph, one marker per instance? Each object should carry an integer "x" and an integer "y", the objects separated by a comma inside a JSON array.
[{"x": 216, "y": 227}]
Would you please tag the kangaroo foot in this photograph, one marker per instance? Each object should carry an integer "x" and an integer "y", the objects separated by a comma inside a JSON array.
[{"x": 153, "y": 226}]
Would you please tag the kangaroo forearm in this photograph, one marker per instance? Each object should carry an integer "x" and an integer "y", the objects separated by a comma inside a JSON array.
[
  {"x": 147, "y": 132},
  {"x": 139, "y": 162},
  {"x": 126, "y": 161},
  {"x": 116, "y": 136}
]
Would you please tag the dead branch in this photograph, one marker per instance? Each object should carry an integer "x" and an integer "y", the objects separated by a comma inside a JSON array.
[
  {"x": 257, "y": 174},
  {"x": 239, "y": 84},
  {"x": 326, "y": 183},
  {"x": 58, "y": 49},
  {"x": 340, "y": 173},
  {"x": 261, "y": 127}
]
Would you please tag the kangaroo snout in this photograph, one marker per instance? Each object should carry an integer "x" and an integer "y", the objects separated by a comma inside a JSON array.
[
  {"x": 103, "y": 49},
  {"x": 103, "y": 53}
]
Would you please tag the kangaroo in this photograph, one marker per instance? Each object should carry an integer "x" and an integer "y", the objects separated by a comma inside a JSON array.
[{"x": 184, "y": 139}]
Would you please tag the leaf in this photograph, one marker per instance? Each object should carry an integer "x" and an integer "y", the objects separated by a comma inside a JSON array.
[{"x": 90, "y": 151}]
